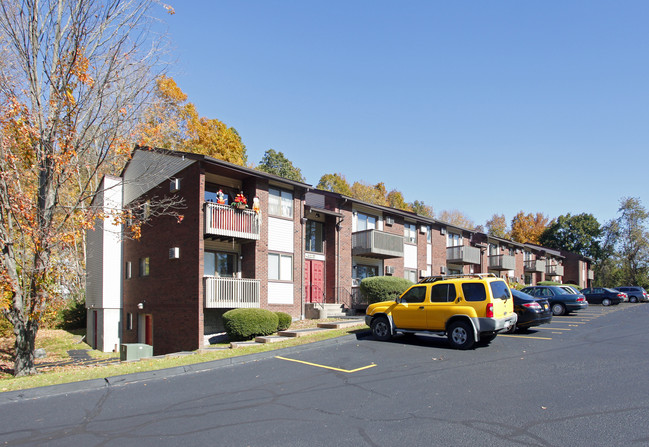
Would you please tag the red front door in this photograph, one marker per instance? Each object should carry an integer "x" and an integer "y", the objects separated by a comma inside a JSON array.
[
  {"x": 314, "y": 280},
  {"x": 148, "y": 325}
]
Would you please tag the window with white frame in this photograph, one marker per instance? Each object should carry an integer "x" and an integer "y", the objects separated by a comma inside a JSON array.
[
  {"x": 280, "y": 267},
  {"x": 454, "y": 239},
  {"x": 493, "y": 249},
  {"x": 429, "y": 237},
  {"x": 410, "y": 233},
  {"x": 410, "y": 275},
  {"x": 280, "y": 202},
  {"x": 365, "y": 222}
]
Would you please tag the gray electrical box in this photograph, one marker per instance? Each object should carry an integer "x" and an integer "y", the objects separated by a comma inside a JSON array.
[{"x": 135, "y": 351}]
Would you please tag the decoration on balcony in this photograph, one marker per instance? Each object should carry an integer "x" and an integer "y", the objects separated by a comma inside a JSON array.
[
  {"x": 220, "y": 197},
  {"x": 256, "y": 207},
  {"x": 240, "y": 202}
]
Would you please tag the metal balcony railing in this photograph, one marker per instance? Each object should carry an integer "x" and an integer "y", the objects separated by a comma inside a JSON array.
[
  {"x": 554, "y": 270},
  {"x": 502, "y": 262},
  {"x": 223, "y": 220},
  {"x": 230, "y": 293},
  {"x": 377, "y": 244},
  {"x": 535, "y": 266},
  {"x": 462, "y": 254}
]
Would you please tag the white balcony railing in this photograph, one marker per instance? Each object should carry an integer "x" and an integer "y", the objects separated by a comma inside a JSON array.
[
  {"x": 230, "y": 293},
  {"x": 223, "y": 220}
]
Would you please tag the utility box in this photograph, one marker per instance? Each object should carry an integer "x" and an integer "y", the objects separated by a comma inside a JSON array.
[{"x": 135, "y": 351}]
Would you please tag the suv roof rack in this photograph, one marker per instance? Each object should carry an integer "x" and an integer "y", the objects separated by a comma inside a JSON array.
[{"x": 429, "y": 279}]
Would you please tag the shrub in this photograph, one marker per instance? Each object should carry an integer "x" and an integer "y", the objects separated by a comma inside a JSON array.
[
  {"x": 383, "y": 288},
  {"x": 246, "y": 324},
  {"x": 285, "y": 321},
  {"x": 73, "y": 316}
]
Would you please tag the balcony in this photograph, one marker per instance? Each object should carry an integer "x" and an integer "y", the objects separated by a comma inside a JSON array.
[
  {"x": 377, "y": 244},
  {"x": 554, "y": 270},
  {"x": 462, "y": 254},
  {"x": 534, "y": 266},
  {"x": 502, "y": 262},
  {"x": 591, "y": 274},
  {"x": 225, "y": 221},
  {"x": 230, "y": 293}
]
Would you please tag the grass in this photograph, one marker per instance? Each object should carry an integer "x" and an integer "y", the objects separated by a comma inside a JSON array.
[{"x": 57, "y": 343}]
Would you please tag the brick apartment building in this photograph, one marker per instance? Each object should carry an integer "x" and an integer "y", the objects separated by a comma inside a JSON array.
[{"x": 292, "y": 250}]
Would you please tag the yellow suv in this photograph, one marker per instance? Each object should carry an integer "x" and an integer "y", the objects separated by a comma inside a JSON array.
[{"x": 468, "y": 309}]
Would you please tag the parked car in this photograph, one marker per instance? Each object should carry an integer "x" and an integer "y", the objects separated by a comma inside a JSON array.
[
  {"x": 530, "y": 311},
  {"x": 635, "y": 294},
  {"x": 468, "y": 309},
  {"x": 561, "y": 301},
  {"x": 603, "y": 296}
]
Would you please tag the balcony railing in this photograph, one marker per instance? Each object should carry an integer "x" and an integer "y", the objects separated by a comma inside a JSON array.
[
  {"x": 535, "y": 266},
  {"x": 230, "y": 293},
  {"x": 502, "y": 262},
  {"x": 377, "y": 244},
  {"x": 554, "y": 270},
  {"x": 591, "y": 274},
  {"x": 463, "y": 254},
  {"x": 223, "y": 220}
]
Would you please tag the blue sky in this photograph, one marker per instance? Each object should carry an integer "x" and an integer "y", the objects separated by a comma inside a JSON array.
[{"x": 481, "y": 106}]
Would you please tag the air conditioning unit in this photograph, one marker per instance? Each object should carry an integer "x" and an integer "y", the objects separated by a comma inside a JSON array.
[
  {"x": 389, "y": 270},
  {"x": 389, "y": 220},
  {"x": 174, "y": 185},
  {"x": 174, "y": 253},
  {"x": 442, "y": 230},
  {"x": 423, "y": 273},
  {"x": 442, "y": 270},
  {"x": 422, "y": 229}
]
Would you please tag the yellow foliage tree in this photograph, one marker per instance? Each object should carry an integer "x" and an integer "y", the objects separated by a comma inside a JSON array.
[{"x": 529, "y": 227}]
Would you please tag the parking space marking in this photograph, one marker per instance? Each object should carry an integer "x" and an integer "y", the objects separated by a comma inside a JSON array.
[
  {"x": 569, "y": 321},
  {"x": 525, "y": 336},
  {"x": 348, "y": 371},
  {"x": 552, "y": 329}
]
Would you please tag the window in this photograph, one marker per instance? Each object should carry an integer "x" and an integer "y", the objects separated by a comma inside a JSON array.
[
  {"x": 365, "y": 222},
  {"x": 527, "y": 256},
  {"x": 222, "y": 265},
  {"x": 144, "y": 266},
  {"x": 474, "y": 291},
  {"x": 313, "y": 236},
  {"x": 410, "y": 275},
  {"x": 429, "y": 237},
  {"x": 365, "y": 271},
  {"x": 454, "y": 240},
  {"x": 128, "y": 271},
  {"x": 129, "y": 321},
  {"x": 280, "y": 202},
  {"x": 280, "y": 267},
  {"x": 416, "y": 294},
  {"x": 499, "y": 290},
  {"x": 493, "y": 249},
  {"x": 410, "y": 232},
  {"x": 442, "y": 293}
]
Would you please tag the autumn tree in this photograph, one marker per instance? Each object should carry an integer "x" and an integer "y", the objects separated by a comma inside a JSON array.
[
  {"x": 632, "y": 245},
  {"x": 335, "y": 183},
  {"x": 276, "y": 163},
  {"x": 79, "y": 71},
  {"x": 422, "y": 209},
  {"x": 576, "y": 234},
  {"x": 171, "y": 122},
  {"x": 457, "y": 218},
  {"x": 396, "y": 200},
  {"x": 375, "y": 194},
  {"x": 528, "y": 227},
  {"x": 497, "y": 226}
]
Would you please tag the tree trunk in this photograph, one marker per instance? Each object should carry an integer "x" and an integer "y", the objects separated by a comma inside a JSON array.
[{"x": 25, "y": 345}]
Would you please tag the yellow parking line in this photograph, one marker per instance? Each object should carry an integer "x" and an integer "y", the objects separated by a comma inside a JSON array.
[
  {"x": 524, "y": 336},
  {"x": 569, "y": 321},
  {"x": 552, "y": 329},
  {"x": 349, "y": 371}
]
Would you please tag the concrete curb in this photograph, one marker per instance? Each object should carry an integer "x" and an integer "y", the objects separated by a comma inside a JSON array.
[{"x": 126, "y": 379}]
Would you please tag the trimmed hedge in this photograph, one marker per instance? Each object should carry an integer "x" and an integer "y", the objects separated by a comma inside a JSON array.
[
  {"x": 246, "y": 324},
  {"x": 285, "y": 321},
  {"x": 383, "y": 288}
]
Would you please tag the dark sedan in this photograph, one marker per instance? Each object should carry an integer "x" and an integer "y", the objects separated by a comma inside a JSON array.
[
  {"x": 561, "y": 301},
  {"x": 531, "y": 311},
  {"x": 603, "y": 296}
]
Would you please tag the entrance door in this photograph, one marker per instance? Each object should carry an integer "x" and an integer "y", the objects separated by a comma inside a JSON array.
[
  {"x": 95, "y": 327},
  {"x": 314, "y": 280},
  {"x": 148, "y": 324}
]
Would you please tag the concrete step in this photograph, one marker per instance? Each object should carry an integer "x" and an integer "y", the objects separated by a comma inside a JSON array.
[
  {"x": 271, "y": 339},
  {"x": 341, "y": 324},
  {"x": 300, "y": 332}
]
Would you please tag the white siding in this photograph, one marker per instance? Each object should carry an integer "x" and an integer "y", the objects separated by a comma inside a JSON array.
[
  {"x": 429, "y": 254},
  {"x": 146, "y": 170},
  {"x": 280, "y": 293},
  {"x": 409, "y": 256},
  {"x": 280, "y": 235}
]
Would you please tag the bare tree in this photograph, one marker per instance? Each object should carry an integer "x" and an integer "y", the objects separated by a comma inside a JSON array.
[{"x": 76, "y": 76}]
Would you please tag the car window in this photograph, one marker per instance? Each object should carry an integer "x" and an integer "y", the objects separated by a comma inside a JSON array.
[
  {"x": 441, "y": 293},
  {"x": 585, "y": 291},
  {"x": 597, "y": 290},
  {"x": 544, "y": 291},
  {"x": 560, "y": 291},
  {"x": 500, "y": 290},
  {"x": 416, "y": 294},
  {"x": 474, "y": 291}
]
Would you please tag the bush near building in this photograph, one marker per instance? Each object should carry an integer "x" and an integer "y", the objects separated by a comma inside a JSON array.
[
  {"x": 383, "y": 288},
  {"x": 285, "y": 321},
  {"x": 246, "y": 324}
]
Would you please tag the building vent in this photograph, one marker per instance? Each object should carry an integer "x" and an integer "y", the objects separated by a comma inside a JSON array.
[
  {"x": 389, "y": 220},
  {"x": 174, "y": 185},
  {"x": 174, "y": 253},
  {"x": 389, "y": 270}
]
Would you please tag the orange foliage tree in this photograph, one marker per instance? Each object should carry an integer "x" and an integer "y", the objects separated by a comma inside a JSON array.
[{"x": 529, "y": 227}]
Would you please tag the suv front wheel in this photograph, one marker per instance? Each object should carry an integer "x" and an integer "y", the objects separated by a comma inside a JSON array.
[
  {"x": 460, "y": 335},
  {"x": 381, "y": 329}
]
